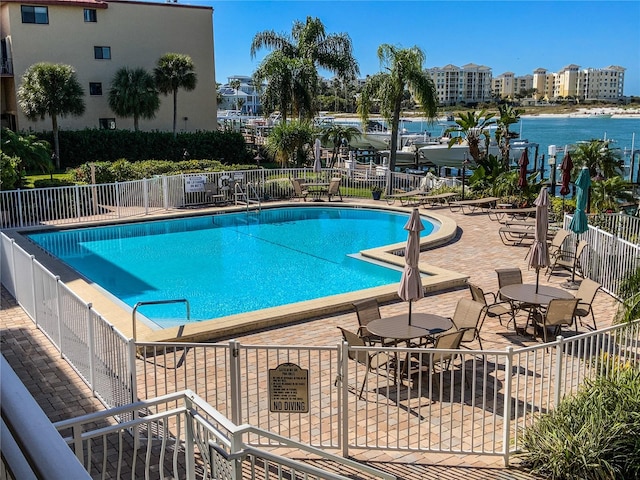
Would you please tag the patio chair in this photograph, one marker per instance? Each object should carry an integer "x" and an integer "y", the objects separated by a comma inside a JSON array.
[
  {"x": 298, "y": 190},
  {"x": 372, "y": 361},
  {"x": 561, "y": 311},
  {"x": 447, "y": 341},
  {"x": 334, "y": 189},
  {"x": 493, "y": 308},
  {"x": 512, "y": 276},
  {"x": 212, "y": 193},
  {"x": 568, "y": 260},
  {"x": 368, "y": 310},
  {"x": 586, "y": 294},
  {"x": 468, "y": 317},
  {"x": 555, "y": 247}
]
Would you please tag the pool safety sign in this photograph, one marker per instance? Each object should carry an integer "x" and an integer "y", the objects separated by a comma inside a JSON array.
[
  {"x": 288, "y": 389},
  {"x": 194, "y": 183}
]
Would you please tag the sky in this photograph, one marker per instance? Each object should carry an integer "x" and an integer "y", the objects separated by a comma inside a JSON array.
[{"x": 507, "y": 36}]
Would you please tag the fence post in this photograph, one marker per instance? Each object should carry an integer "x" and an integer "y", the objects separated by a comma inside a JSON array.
[
  {"x": 117, "y": 192},
  {"x": 76, "y": 196},
  {"x": 189, "y": 454},
  {"x": 235, "y": 378},
  {"x": 165, "y": 192},
  {"x": 558, "y": 380},
  {"x": 343, "y": 402},
  {"x": 33, "y": 288},
  {"x": 90, "y": 341},
  {"x": 59, "y": 302},
  {"x": 508, "y": 395},
  {"x": 145, "y": 195},
  {"x": 20, "y": 214}
]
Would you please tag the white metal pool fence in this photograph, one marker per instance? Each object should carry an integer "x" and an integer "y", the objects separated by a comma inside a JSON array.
[
  {"x": 479, "y": 406},
  {"x": 112, "y": 201}
]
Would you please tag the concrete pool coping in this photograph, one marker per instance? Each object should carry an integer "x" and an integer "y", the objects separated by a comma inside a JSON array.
[{"x": 120, "y": 315}]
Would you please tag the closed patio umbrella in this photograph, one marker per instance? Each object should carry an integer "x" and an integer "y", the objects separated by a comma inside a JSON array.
[
  {"x": 539, "y": 253},
  {"x": 410, "y": 288},
  {"x": 317, "y": 162},
  {"x": 565, "y": 167},
  {"x": 522, "y": 177},
  {"x": 579, "y": 223}
]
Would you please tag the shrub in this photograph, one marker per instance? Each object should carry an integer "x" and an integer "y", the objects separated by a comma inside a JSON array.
[
  {"x": 594, "y": 434},
  {"x": 9, "y": 175}
]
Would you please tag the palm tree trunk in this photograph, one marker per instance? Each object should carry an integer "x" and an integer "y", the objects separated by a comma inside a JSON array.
[
  {"x": 56, "y": 140},
  {"x": 175, "y": 111}
]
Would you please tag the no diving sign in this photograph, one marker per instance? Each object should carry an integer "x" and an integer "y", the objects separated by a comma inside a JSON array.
[{"x": 288, "y": 389}]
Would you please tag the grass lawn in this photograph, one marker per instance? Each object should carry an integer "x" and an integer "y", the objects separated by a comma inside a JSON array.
[{"x": 30, "y": 179}]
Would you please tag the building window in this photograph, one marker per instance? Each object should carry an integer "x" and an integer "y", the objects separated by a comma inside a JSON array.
[
  {"x": 34, "y": 14},
  {"x": 107, "y": 123},
  {"x": 102, "y": 53},
  {"x": 95, "y": 88},
  {"x": 90, "y": 15}
]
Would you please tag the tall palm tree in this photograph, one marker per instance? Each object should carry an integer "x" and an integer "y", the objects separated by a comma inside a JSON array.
[
  {"x": 508, "y": 116},
  {"x": 475, "y": 128},
  {"x": 133, "y": 93},
  {"x": 174, "y": 71},
  {"x": 404, "y": 70},
  {"x": 235, "y": 84},
  {"x": 311, "y": 48},
  {"x": 53, "y": 90},
  {"x": 287, "y": 85},
  {"x": 335, "y": 134}
]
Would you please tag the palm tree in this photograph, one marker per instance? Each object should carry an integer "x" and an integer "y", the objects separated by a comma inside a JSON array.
[
  {"x": 599, "y": 159},
  {"x": 53, "y": 90},
  {"x": 287, "y": 85},
  {"x": 32, "y": 153},
  {"x": 289, "y": 142},
  {"x": 606, "y": 193},
  {"x": 475, "y": 127},
  {"x": 134, "y": 94},
  {"x": 235, "y": 84},
  {"x": 508, "y": 116},
  {"x": 335, "y": 134},
  {"x": 174, "y": 71},
  {"x": 404, "y": 70},
  {"x": 308, "y": 48}
]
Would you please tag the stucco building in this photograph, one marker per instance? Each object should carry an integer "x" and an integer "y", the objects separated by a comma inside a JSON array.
[{"x": 99, "y": 37}]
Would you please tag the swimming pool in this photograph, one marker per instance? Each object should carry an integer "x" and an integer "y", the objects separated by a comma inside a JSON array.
[{"x": 231, "y": 263}]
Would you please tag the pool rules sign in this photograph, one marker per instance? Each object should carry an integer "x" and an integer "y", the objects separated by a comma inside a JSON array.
[{"x": 288, "y": 389}]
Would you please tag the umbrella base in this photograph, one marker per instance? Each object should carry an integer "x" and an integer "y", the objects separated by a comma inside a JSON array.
[{"x": 570, "y": 285}]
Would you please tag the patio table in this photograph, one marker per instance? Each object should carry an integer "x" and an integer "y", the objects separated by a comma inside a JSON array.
[{"x": 525, "y": 294}]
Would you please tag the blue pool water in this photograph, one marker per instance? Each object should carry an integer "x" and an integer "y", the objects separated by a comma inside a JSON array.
[{"x": 233, "y": 263}]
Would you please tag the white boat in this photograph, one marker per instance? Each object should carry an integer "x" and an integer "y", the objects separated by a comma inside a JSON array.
[{"x": 441, "y": 155}]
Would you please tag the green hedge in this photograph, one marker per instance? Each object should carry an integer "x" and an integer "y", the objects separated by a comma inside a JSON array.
[{"x": 93, "y": 145}]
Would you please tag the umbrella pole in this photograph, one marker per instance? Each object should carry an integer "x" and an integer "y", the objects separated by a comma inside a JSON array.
[
  {"x": 537, "y": 279},
  {"x": 410, "y": 302}
]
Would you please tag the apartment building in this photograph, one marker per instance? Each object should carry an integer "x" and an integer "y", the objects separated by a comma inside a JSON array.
[
  {"x": 601, "y": 83},
  {"x": 468, "y": 84},
  {"x": 99, "y": 37},
  {"x": 246, "y": 98}
]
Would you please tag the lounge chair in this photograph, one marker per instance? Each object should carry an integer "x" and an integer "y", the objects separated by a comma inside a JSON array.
[
  {"x": 298, "y": 190},
  {"x": 438, "y": 199},
  {"x": 493, "y": 308},
  {"x": 502, "y": 214},
  {"x": 468, "y": 317},
  {"x": 372, "y": 361},
  {"x": 567, "y": 259},
  {"x": 586, "y": 294},
  {"x": 560, "y": 312},
  {"x": 409, "y": 197},
  {"x": 482, "y": 204}
]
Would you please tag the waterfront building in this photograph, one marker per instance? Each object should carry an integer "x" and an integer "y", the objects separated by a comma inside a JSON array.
[
  {"x": 469, "y": 84},
  {"x": 601, "y": 83},
  {"x": 565, "y": 82},
  {"x": 97, "y": 38},
  {"x": 246, "y": 98}
]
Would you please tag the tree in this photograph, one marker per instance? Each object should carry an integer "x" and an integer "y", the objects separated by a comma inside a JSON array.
[
  {"x": 133, "y": 93},
  {"x": 289, "y": 142},
  {"x": 300, "y": 55},
  {"x": 174, "y": 71},
  {"x": 53, "y": 90},
  {"x": 599, "y": 159},
  {"x": 335, "y": 134},
  {"x": 606, "y": 193},
  {"x": 287, "y": 85},
  {"x": 32, "y": 153},
  {"x": 404, "y": 70},
  {"x": 508, "y": 116},
  {"x": 475, "y": 128},
  {"x": 235, "y": 84}
]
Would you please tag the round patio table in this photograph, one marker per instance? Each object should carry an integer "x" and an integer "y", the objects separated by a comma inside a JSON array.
[
  {"x": 422, "y": 325},
  {"x": 526, "y": 293}
]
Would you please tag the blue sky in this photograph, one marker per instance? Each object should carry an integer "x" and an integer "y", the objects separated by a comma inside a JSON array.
[{"x": 516, "y": 36}]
